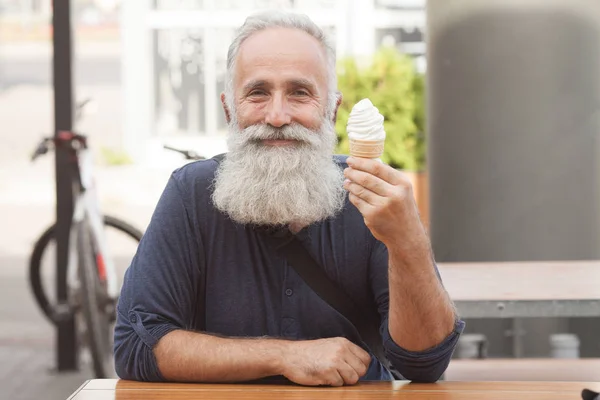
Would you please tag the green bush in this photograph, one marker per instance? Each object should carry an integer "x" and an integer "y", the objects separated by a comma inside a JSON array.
[{"x": 391, "y": 82}]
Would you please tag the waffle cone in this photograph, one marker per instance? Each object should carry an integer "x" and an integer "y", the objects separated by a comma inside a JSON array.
[{"x": 366, "y": 148}]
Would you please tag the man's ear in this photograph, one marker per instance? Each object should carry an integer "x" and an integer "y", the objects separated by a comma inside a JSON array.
[
  {"x": 225, "y": 108},
  {"x": 337, "y": 105}
]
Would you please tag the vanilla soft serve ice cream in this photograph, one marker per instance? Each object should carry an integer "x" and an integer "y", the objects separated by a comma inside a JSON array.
[
  {"x": 365, "y": 122},
  {"x": 365, "y": 130}
]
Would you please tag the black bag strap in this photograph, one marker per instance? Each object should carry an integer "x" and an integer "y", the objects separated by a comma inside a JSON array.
[
  {"x": 364, "y": 321},
  {"x": 218, "y": 158}
]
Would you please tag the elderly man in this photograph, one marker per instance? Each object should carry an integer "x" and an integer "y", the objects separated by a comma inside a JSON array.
[{"x": 208, "y": 299}]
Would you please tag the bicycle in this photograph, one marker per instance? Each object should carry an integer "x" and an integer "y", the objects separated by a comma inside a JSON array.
[{"x": 92, "y": 279}]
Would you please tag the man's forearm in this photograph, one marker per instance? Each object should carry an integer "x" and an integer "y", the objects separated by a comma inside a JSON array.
[
  {"x": 195, "y": 357},
  {"x": 421, "y": 314}
]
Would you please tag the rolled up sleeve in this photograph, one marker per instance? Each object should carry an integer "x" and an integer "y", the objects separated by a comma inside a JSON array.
[
  {"x": 422, "y": 366},
  {"x": 134, "y": 358},
  {"x": 159, "y": 288}
]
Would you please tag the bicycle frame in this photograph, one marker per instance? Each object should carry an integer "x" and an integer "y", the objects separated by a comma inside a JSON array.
[{"x": 86, "y": 204}]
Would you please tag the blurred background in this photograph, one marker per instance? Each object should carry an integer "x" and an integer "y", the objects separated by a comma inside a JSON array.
[{"x": 491, "y": 109}]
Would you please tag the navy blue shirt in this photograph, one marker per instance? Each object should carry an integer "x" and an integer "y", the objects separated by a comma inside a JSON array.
[{"x": 196, "y": 269}]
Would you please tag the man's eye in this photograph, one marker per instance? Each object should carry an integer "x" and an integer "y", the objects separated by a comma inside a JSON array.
[
  {"x": 301, "y": 92},
  {"x": 255, "y": 93}
]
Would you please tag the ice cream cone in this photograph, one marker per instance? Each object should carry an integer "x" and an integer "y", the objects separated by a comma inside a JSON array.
[{"x": 366, "y": 148}]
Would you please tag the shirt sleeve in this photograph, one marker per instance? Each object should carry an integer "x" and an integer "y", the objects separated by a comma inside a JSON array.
[
  {"x": 418, "y": 366},
  {"x": 159, "y": 287}
]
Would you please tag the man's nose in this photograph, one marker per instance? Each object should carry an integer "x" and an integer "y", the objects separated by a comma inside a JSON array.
[{"x": 277, "y": 113}]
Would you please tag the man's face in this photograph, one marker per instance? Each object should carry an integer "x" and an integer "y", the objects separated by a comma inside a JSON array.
[
  {"x": 280, "y": 78},
  {"x": 279, "y": 167}
]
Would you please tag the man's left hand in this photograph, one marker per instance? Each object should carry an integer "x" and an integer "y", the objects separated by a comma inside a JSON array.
[{"x": 384, "y": 197}]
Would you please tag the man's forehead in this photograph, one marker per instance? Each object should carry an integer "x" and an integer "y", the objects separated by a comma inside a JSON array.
[
  {"x": 283, "y": 40},
  {"x": 283, "y": 47}
]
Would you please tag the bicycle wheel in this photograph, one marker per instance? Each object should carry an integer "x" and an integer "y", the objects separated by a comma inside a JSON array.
[
  {"x": 40, "y": 292},
  {"x": 94, "y": 303}
]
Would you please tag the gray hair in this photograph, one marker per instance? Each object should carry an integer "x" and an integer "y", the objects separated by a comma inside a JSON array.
[{"x": 281, "y": 19}]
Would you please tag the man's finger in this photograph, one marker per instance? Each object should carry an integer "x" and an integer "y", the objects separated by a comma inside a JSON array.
[
  {"x": 348, "y": 373},
  {"x": 357, "y": 364},
  {"x": 334, "y": 378},
  {"x": 361, "y": 354},
  {"x": 373, "y": 167},
  {"x": 359, "y": 203},
  {"x": 371, "y": 182},
  {"x": 362, "y": 192}
]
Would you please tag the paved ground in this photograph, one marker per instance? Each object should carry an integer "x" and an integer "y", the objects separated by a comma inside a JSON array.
[{"x": 26, "y": 347}]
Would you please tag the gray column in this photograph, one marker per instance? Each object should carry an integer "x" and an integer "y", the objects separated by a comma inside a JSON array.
[{"x": 513, "y": 123}]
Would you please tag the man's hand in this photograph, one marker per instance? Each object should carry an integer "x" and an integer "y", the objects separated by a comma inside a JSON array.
[
  {"x": 385, "y": 198},
  {"x": 332, "y": 362}
]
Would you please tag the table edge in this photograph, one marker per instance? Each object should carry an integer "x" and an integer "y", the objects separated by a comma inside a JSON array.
[
  {"x": 285, "y": 388},
  {"x": 79, "y": 389}
]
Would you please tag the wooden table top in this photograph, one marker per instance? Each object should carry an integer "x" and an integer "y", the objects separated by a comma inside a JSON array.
[
  {"x": 556, "y": 280},
  {"x": 108, "y": 389}
]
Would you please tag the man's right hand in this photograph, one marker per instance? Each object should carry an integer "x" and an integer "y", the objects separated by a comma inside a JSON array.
[{"x": 334, "y": 362}]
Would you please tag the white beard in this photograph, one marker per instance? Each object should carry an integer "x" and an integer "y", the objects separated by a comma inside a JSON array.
[{"x": 279, "y": 185}]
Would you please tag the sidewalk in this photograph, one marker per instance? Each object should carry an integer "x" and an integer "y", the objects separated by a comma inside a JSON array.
[
  {"x": 26, "y": 348},
  {"x": 27, "y": 340},
  {"x": 29, "y": 378}
]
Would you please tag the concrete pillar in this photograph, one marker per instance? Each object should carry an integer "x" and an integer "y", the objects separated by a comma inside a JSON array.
[{"x": 513, "y": 124}]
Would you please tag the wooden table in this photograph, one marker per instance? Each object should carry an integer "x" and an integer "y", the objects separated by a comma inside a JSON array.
[
  {"x": 125, "y": 390},
  {"x": 524, "y": 289}
]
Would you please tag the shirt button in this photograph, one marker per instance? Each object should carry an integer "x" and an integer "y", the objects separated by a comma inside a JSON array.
[
  {"x": 289, "y": 292},
  {"x": 133, "y": 319}
]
